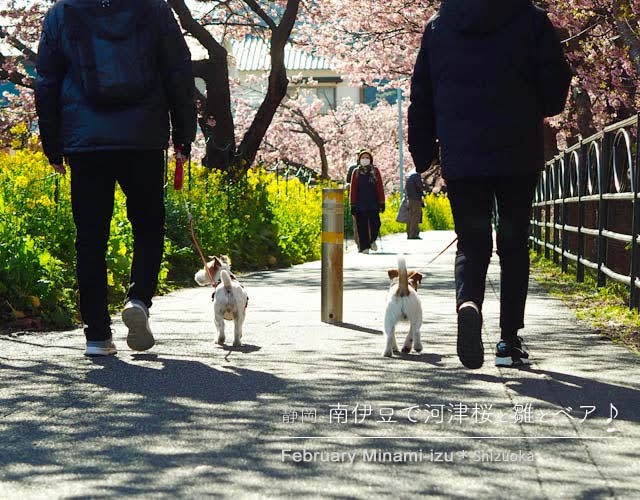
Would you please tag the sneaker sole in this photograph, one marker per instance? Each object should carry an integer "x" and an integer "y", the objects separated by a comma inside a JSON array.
[
  {"x": 507, "y": 362},
  {"x": 139, "y": 337},
  {"x": 99, "y": 353},
  {"x": 469, "y": 346}
]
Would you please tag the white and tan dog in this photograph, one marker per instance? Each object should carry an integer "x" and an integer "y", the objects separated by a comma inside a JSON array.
[
  {"x": 229, "y": 298},
  {"x": 403, "y": 304}
]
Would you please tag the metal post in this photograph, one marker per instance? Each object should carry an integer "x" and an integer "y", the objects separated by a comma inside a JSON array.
[
  {"x": 547, "y": 210},
  {"x": 564, "y": 182},
  {"x": 634, "y": 296},
  {"x": 603, "y": 177},
  {"x": 582, "y": 170},
  {"x": 332, "y": 255},
  {"x": 555, "y": 194},
  {"x": 401, "y": 143},
  {"x": 537, "y": 216}
]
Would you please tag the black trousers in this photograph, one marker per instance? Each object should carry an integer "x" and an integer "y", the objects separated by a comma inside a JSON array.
[
  {"x": 472, "y": 203},
  {"x": 368, "y": 223},
  {"x": 140, "y": 174}
]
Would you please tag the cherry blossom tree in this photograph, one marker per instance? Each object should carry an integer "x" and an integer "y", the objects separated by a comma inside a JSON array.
[
  {"x": 377, "y": 42},
  {"x": 19, "y": 33},
  {"x": 369, "y": 42},
  {"x": 210, "y": 23},
  {"x": 328, "y": 143}
]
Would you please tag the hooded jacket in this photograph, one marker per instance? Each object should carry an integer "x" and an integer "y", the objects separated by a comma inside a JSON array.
[
  {"x": 487, "y": 74},
  {"x": 71, "y": 121}
]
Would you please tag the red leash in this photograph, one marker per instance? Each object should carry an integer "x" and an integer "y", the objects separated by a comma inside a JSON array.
[
  {"x": 177, "y": 185},
  {"x": 437, "y": 256}
]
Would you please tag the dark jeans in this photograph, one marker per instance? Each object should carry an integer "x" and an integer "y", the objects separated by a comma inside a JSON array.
[
  {"x": 140, "y": 174},
  {"x": 472, "y": 203},
  {"x": 368, "y": 223}
]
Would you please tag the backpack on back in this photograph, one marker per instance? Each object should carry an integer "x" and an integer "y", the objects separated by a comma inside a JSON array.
[{"x": 114, "y": 50}]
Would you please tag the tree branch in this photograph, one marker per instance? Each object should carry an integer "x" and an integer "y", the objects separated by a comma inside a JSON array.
[
  {"x": 253, "y": 5},
  {"x": 199, "y": 32}
]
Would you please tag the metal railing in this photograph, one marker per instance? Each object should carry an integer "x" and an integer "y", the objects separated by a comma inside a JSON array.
[{"x": 572, "y": 216}]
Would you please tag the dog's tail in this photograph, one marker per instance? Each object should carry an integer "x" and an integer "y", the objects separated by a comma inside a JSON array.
[
  {"x": 226, "y": 279},
  {"x": 403, "y": 280}
]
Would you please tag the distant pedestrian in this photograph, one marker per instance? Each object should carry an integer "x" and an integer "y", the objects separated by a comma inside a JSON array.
[
  {"x": 354, "y": 225},
  {"x": 487, "y": 74},
  {"x": 111, "y": 76},
  {"x": 366, "y": 196},
  {"x": 414, "y": 190}
]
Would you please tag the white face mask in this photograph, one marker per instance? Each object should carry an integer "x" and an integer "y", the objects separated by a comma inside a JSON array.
[{"x": 365, "y": 162}]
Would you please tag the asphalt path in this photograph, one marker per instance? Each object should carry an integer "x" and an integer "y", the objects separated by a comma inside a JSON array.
[{"x": 309, "y": 409}]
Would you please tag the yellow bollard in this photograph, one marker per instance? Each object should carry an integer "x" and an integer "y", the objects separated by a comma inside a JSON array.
[{"x": 332, "y": 255}]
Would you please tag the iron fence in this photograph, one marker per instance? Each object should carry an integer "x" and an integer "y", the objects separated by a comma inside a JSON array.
[{"x": 587, "y": 209}]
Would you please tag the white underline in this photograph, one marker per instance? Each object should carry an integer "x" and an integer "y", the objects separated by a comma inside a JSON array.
[{"x": 287, "y": 438}]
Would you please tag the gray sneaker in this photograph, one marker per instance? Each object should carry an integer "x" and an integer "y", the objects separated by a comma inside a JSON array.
[
  {"x": 100, "y": 348},
  {"x": 135, "y": 316}
]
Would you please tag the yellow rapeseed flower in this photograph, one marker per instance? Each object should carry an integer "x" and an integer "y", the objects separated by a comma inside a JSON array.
[
  {"x": 45, "y": 201},
  {"x": 21, "y": 181}
]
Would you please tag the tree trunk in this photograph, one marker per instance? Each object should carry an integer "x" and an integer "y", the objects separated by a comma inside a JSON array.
[
  {"x": 325, "y": 163},
  {"x": 584, "y": 112},
  {"x": 550, "y": 142},
  {"x": 629, "y": 37},
  {"x": 276, "y": 90},
  {"x": 216, "y": 119}
]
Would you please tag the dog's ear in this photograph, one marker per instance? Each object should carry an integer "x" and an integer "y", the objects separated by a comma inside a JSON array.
[
  {"x": 393, "y": 273},
  {"x": 416, "y": 277},
  {"x": 225, "y": 258}
]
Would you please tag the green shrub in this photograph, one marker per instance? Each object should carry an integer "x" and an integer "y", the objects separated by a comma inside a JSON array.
[
  {"x": 259, "y": 221},
  {"x": 436, "y": 215}
]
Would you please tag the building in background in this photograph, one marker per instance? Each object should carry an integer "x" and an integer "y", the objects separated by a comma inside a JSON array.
[{"x": 250, "y": 64}]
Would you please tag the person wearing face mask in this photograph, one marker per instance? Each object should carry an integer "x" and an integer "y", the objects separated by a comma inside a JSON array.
[{"x": 366, "y": 197}]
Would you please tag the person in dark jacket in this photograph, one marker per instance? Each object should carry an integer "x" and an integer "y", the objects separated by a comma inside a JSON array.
[
  {"x": 111, "y": 76},
  {"x": 487, "y": 74},
  {"x": 366, "y": 196},
  {"x": 415, "y": 194},
  {"x": 353, "y": 217}
]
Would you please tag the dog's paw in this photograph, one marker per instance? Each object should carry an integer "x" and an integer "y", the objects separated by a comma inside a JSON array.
[
  {"x": 237, "y": 343},
  {"x": 387, "y": 354},
  {"x": 220, "y": 341},
  {"x": 406, "y": 350},
  {"x": 418, "y": 348}
]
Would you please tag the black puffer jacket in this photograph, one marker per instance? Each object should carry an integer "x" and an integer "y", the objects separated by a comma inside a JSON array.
[
  {"x": 70, "y": 122},
  {"x": 487, "y": 74}
]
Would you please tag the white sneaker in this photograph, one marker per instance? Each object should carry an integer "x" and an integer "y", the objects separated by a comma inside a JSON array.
[
  {"x": 136, "y": 317},
  {"x": 100, "y": 348},
  {"x": 374, "y": 247}
]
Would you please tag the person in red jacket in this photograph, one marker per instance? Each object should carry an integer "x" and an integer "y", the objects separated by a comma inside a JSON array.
[{"x": 366, "y": 197}]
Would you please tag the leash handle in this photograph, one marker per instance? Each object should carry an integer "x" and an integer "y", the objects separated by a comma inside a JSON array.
[{"x": 179, "y": 176}]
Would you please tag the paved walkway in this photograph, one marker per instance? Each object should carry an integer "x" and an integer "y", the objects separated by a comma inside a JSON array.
[{"x": 193, "y": 419}]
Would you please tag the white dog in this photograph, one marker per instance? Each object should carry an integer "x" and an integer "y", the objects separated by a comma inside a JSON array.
[
  {"x": 403, "y": 304},
  {"x": 229, "y": 298}
]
